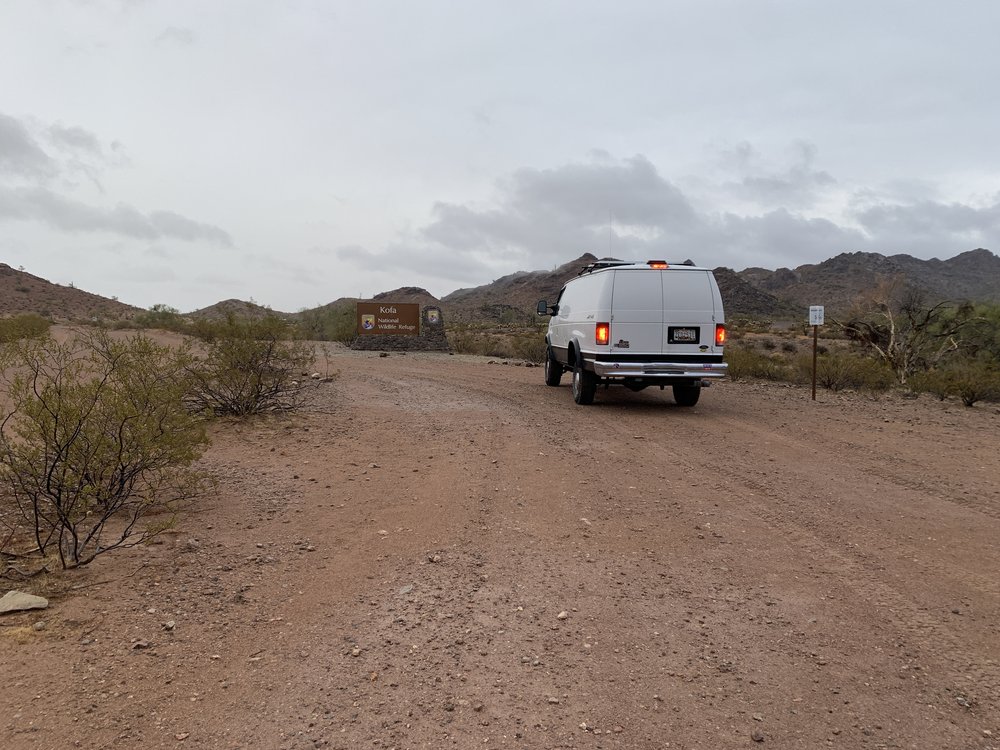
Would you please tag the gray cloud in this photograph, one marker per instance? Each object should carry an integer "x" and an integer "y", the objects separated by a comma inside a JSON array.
[
  {"x": 355, "y": 254},
  {"x": 426, "y": 260},
  {"x": 930, "y": 227},
  {"x": 541, "y": 217},
  {"x": 38, "y": 154},
  {"x": 176, "y": 36},
  {"x": 20, "y": 153},
  {"x": 43, "y": 205},
  {"x": 32, "y": 198},
  {"x": 556, "y": 213},
  {"x": 797, "y": 185},
  {"x": 633, "y": 191},
  {"x": 776, "y": 238},
  {"x": 75, "y": 138}
]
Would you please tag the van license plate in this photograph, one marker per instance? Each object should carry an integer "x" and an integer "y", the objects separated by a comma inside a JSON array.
[{"x": 682, "y": 335}]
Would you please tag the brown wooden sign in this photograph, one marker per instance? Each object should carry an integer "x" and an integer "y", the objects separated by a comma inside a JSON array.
[{"x": 388, "y": 319}]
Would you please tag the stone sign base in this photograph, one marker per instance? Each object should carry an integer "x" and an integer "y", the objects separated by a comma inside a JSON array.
[{"x": 431, "y": 338}]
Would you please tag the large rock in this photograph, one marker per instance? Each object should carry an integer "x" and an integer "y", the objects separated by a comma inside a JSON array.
[{"x": 17, "y": 601}]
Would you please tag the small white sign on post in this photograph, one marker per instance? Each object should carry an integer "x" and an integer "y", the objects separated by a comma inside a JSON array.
[{"x": 815, "y": 320}]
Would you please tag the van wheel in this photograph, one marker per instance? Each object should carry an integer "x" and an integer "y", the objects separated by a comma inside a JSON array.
[
  {"x": 687, "y": 395},
  {"x": 584, "y": 384},
  {"x": 553, "y": 370}
]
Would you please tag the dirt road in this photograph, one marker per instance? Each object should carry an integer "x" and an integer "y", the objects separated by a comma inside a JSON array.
[{"x": 441, "y": 552}]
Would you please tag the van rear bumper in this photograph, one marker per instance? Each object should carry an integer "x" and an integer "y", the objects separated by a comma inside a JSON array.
[{"x": 664, "y": 370}]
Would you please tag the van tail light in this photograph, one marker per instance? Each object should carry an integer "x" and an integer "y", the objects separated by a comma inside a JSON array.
[
  {"x": 720, "y": 334},
  {"x": 603, "y": 334}
]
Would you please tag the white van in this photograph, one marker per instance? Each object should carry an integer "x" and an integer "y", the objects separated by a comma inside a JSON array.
[{"x": 637, "y": 325}]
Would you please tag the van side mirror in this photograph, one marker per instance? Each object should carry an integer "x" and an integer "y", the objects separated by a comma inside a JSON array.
[{"x": 543, "y": 307}]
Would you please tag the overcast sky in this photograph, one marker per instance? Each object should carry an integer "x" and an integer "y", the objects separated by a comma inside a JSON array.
[{"x": 296, "y": 151}]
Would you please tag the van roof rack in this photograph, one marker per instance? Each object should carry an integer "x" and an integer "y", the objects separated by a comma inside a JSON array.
[
  {"x": 611, "y": 262},
  {"x": 603, "y": 263}
]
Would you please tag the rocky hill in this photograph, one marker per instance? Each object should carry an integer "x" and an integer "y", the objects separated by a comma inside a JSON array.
[
  {"x": 238, "y": 309},
  {"x": 510, "y": 299},
  {"x": 741, "y": 298},
  {"x": 21, "y": 292},
  {"x": 836, "y": 283}
]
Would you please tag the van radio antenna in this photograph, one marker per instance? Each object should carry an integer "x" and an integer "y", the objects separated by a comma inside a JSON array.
[{"x": 611, "y": 231}]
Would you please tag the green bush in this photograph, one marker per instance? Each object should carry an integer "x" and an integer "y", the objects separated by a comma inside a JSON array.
[
  {"x": 23, "y": 327},
  {"x": 530, "y": 347},
  {"x": 935, "y": 382},
  {"x": 328, "y": 323},
  {"x": 250, "y": 367},
  {"x": 970, "y": 381},
  {"x": 162, "y": 317},
  {"x": 746, "y": 362},
  {"x": 503, "y": 343},
  {"x": 836, "y": 371},
  {"x": 95, "y": 442}
]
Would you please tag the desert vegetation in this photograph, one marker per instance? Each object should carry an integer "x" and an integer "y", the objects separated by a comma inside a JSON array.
[
  {"x": 25, "y": 326},
  {"x": 503, "y": 341},
  {"x": 95, "y": 443},
  {"x": 249, "y": 367},
  {"x": 891, "y": 339},
  {"x": 99, "y": 433}
]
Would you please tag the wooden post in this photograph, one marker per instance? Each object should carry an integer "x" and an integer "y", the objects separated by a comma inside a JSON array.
[
  {"x": 815, "y": 339},
  {"x": 816, "y": 313}
]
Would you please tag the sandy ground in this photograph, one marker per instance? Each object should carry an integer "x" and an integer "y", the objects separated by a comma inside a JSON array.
[{"x": 440, "y": 552}]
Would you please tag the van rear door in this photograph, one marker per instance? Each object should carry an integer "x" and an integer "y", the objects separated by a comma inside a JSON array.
[
  {"x": 688, "y": 312},
  {"x": 637, "y": 317}
]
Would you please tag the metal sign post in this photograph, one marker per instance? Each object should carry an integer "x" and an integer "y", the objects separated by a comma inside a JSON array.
[{"x": 815, "y": 320}]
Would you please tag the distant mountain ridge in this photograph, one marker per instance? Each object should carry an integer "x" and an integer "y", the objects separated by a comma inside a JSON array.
[
  {"x": 783, "y": 293},
  {"x": 837, "y": 282}
]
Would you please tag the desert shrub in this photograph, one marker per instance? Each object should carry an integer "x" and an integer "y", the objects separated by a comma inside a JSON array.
[
  {"x": 23, "y": 327},
  {"x": 768, "y": 344},
  {"x": 332, "y": 323},
  {"x": 530, "y": 347},
  {"x": 465, "y": 342},
  {"x": 839, "y": 370},
  {"x": 162, "y": 317},
  {"x": 479, "y": 343},
  {"x": 527, "y": 343},
  {"x": 934, "y": 382},
  {"x": 976, "y": 381},
  {"x": 96, "y": 443},
  {"x": 249, "y": 367},
  {"x": 969, "y": 380},
  {"x": 789, "y": 347},
  {"x": 745, "y": 362}
]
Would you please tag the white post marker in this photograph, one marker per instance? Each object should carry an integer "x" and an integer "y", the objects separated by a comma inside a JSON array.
[{"x": 815, "y": 320}]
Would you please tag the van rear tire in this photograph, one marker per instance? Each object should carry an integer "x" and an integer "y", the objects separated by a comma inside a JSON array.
[
  {"x": 584, "y": 384},
  {"x": 686, "y": 395},
  {"x": 553, "y": 370}
]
